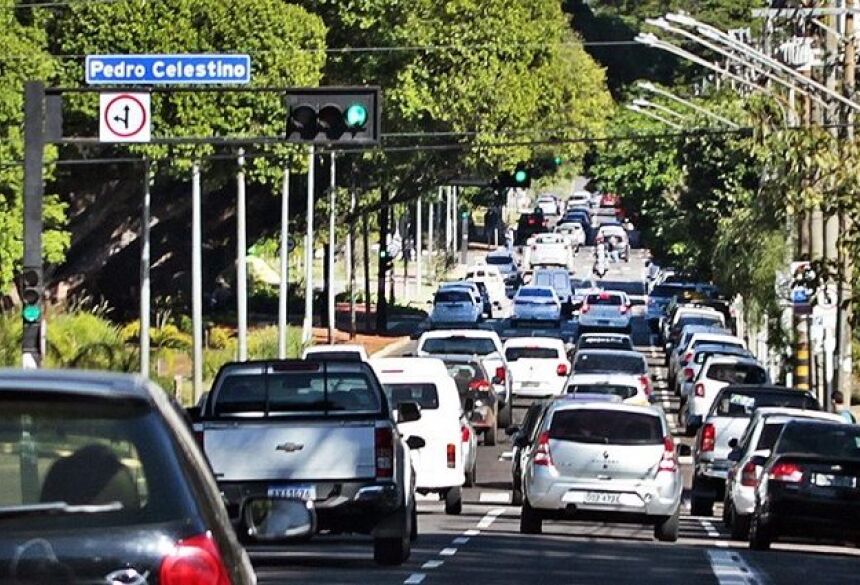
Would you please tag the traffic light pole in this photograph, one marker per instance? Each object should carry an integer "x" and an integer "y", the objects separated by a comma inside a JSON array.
[
  {"x": 307, "y": 326},
  {"x": 283, "y": 296},
  {"x": 332, "y": 201},
  {"x": 34, "y": 148},
  {"x": 145, "y": 262}
]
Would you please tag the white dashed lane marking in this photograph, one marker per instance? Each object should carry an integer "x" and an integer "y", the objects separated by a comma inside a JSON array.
[
  {"x": 434, "y": 564},
  {"x": 447, "y": 552},
  {"x": 495, "y": 498},
  {"x": 414, "y": 579},
  {"x": 731, "y": 569}
]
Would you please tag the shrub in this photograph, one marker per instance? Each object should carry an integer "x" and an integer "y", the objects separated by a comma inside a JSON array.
[
  {"x": 87, "y": 340},
  {"x": 10, "y": 339}
]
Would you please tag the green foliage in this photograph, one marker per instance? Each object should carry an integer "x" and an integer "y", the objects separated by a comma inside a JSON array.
[
  {"x": 87, "y": 340},
  {"x": 10, "y": 339}
]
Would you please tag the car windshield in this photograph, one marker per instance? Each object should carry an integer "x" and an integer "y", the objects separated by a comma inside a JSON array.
[
  {"x": 742, "y": 403},
  {"x": 64, "y": 451},
  {"x": 295, "y": 392},
  {"x": 667, "y": 290},
  {"x": 453, "y": 296},
  {"x": 458, "y": 345},
  {"x": 424, "y": 394},
  {"x": 603, "y": 299},
  {"x": 698, "y": 320},
  {"x": 623, "y": 343},
  {"x": 533, "y": 353},
  {"x": 622, "y": 391},
  {"x": 609, "y": 427},
  {"x": 499, "y": 260},
  {"x": 737, "y": 373},
  {"x": 609, "y": 362},
  {"x": 835, "y": 440}
]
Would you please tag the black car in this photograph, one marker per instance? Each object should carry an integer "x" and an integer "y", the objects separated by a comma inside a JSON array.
[
  {"x": 102, "y": 482},
  {"x": 810, "y": 486},
  {"x": 528, "y": 225},
  {"x": 479, "y": 402}
]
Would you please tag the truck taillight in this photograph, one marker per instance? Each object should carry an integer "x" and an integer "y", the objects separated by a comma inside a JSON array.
[
  {"x": 384, "y": 452},
  {"x": 194, "y": 561},
  {"x": 584, "y": 309},
  {"x": 542, "y": 455},
  {"x": 561, "y": 370},
  {"x": 688, "y": 374},
  {"x": 501, "y": 374},
  {"x": 623, "y": 309},
  {"x": 645, "y": 381},
  {"x": 465, "y": 434},
  {"x": 749, "y": 475},
  {"x": 452, "y": 455},
  {"x": 668, "y": 462},
  {"x": 786, "y": 472},
  {"x": 687, "y": 357},
  {"x": 700, "y": 390},
  {"x": 709, "y": 435}
]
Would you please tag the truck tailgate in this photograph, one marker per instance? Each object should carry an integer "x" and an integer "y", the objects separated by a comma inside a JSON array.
[{"x": 301, "y": 450}]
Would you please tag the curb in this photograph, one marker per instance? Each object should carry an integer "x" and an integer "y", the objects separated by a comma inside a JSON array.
[{"x": 392, "y": 348}]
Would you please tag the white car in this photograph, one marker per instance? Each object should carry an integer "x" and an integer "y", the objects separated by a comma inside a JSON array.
[
  {"x": 603, "y": 362},
  {"x": 548, "y": 204},
  {"x": 493, "y": 280},
  {"x": 617, "y": 233},
  {"x": 717, "y": 373},
  {"x": 336, "y": 351},
  {"x": 487, "y": 346},
  {"x": 549, "y": 250},
  {"x": 536, "y": 303},
  {"x": 455, "y": 306},
  {"x": 630, "y": 388},
  {"x": 573, "y": 232},
  {"x": 605, "y": 310},
  {"x": 539, "y": 365},
  {"x": 692, "y": 338},
  {"x": 439, "y": 464},
  {"x": 580, "y": 199}
]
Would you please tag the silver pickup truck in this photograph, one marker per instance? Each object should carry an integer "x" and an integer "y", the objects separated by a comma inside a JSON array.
[{"x": 301, "y": 446}]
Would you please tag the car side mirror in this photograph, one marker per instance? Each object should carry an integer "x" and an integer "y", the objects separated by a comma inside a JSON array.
[
  {"x": 733, "y": 443},
  {"x": 512, "y": 430},
  {"x": 684, "y": 450},
  {"x": 415, "y": 443},
  {"x": 408, "y": 412}
]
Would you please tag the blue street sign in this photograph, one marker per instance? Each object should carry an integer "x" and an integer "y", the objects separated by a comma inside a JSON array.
[{"x": 167, "y": 69}]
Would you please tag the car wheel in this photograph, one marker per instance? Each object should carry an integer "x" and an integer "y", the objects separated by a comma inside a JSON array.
[
  {"x": 700, "y": 505},
  {"x": 490, "y": 437},
  {"x": 531, "y": 521},
  {"x": 394, "y": 551},
  {"x": 454, "y": 501},
  {"x": 505, "y": 416},
  {"x": 740, "y": 526},
  {"x": 517, "y": 497},
  {"x": 413, "y": 530},
  {"x": 667, "y": 529},
  {"x": 759, "y": 534}
]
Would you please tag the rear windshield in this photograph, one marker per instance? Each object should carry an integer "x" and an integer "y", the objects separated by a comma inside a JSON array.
[
  {"x": 603, "y": 299},
  {"x": 535, "y": 292},
  {"x": 702, "y": 356},
  {"x": 557, "y": 280},
  {"x": 667, "y": 290},
  {"x": 532, "y": 353},
  {"x": 769, "y": 435},
  {"x": 295, "y": 392},
  {"x": 609, "y": 362},
  {"x": 610, "y": 427},
  {"x": 424, "y": 394},
  {"x": 88, "y": 452},
  {"x": 825, "y": 440},
  {"x": 624, "y": 392},
  {"x": 577, "y": 284},
  {"x": 604, "y": 343},
  {"x": 499, "y": 260},
  {"x": 698, "y": 320},
  {"x": 458, "y": 346},
  {"x": 737, "y": 373},
  {"x": 742, "y": 404}
]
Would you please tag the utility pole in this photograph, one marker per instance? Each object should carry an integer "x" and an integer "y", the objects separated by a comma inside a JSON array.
[
  {"x": 365, "y": 236},
  {"x": 419, "y": 276},
  {"x": 307, "y": 326},
  {"x": 145, "y": 259},
  {"x": 382, "y": 269},
  {"x": 350, "y": 264},
  {"x": 283, "y": 293},
  {"x": 241, "y": 259},
  {"x": 332, "y": 313},
  {"x": 32, "y": 286},
  {"x": 197, "y": 281}
]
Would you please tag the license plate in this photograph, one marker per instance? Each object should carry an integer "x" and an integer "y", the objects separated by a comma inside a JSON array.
[
  {"x": 531, "y": 384},
  {"x": 293, "y": 492},
  {"x": 603, "y": 321},
  {"x": 827, "y": 480},
  {"x": 602, "y": 498}
]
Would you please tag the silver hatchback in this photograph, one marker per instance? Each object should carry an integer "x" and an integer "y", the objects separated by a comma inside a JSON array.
[{"x": 606, "y": 462}]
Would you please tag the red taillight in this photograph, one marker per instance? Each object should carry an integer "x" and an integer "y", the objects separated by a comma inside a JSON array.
[
  {"x": 700, "y": 390},
  {"x": 787, "y": 472},
  {"x": 479, "y": 386},
  {"x": 688, "y": 374},
  {"x": 194, "y": 561},
  {"x": 669, "y": 461},
  {"x": 561, "y": 370},
  {"x": 749, "y": 477},
  {"x": 688, "y": 357},
  {"x": 465, "y": 434},
  {"x": 709, "y": 436},
  {"x": 532, "y": 221},
  {"x": 384, "y": 452},
  {"x": 584, "y": 309},
  {"x": 452, "y": 456},
  {"x": 623, "y": 309},
  {"x": 501, "y": 374},
  {"x": 542, "y": 455},
  {"x": 645, "y": 381}
]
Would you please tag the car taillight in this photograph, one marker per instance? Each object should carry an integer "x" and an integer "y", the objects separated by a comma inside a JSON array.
[
  {"x": 194, "y": 561},
  {"x": 787, "y": 472},
  {"x": 623, "y": 309},
  {"x": 669, "y": 461},
  {"x": 749, "y": 477},
  {"x": 452, "y": 456},
  {"x": 465, "y": 434},
  {"x": 501, "y": 374},
  {"x": 561, "y": 370},
  {"x": 709, "y": 435},
  {"x": 688, "y": 374},
  {"x": 584, "y": 309},
  {"x": 645, "y": 381},
  {"x": 700, "y": 390},
  {"x": 479, "y": 386},
  {"x": 687, "y": 357},
  {"x": 384, "y": 452},
  {"x": 542, "y": 455},
  {"x": 532, "y": 221}
]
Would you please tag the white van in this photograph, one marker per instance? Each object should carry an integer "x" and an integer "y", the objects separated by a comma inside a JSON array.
[
  {"x": 492, "y": 278},
  {"x": 439, "y": 465}
]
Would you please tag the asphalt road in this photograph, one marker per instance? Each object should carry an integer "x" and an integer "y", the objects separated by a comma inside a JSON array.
[{"x": 483, "y": 545}]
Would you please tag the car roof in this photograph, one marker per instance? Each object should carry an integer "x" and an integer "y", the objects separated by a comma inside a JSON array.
[
  {"x": 501, "y": 252},
  {"x": 733, "y": 359},
  {"x": 708, "y": 336},
  {"x": 605, "y": 335},
  {"x": 534, "y": 287},
  {"x": 471, "y": 333},
  {"x": 79, "y": 382},
  {"x": 782, "y": 412},
  {"x": 581, "y": 397},
  {"x": 772, "y": 388},
  {"x": 336, "y": 348},
  {"x": 607, "y": 377},
  {"x": 533, "y": 341},
  {"x": 410, "y": 367},
  {"x": 620, "y": 407},
  {"x": 618, "y": 352}
]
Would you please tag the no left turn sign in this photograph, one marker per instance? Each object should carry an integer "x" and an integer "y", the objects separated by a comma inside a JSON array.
[{"x": 124, "y": 117}]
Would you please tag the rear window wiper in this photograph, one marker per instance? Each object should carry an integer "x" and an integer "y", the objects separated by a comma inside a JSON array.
[{"x": 57, "y": 509}]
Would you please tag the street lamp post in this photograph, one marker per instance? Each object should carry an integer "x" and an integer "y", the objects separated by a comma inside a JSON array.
[
  {"x": 659, "y": 118},
  {"x": 648, "y": 86}
]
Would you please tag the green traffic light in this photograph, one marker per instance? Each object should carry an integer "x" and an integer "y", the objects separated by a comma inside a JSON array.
[
  {"x": 32, "y": 313},
  {"x": 558, "y": 161},
  {"x": 521, "y": 176},
  {"x": 356, "y": 116}
]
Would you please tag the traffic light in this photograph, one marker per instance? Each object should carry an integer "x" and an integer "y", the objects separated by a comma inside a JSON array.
[
  {"x": 519, "y": 178},
  {"x": 333, "y": 115},
  {"x": 31, "y": 311}
]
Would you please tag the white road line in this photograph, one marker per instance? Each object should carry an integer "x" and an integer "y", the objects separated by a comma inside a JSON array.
[
  {"x": 460, "y": 540},
  {"x": 472, "y": 532},
  {"x": 731, "y": 569},
  {"x": 495, "y": 498},
  {"x": 506, "y": 456},
  {"x": 414, "y": 579},
  {"x": 712, "y": 532},
  {"x": 447, "y": 552},
  {"x": 491, "y": 516},
  {"x": 434, "y": 564}
]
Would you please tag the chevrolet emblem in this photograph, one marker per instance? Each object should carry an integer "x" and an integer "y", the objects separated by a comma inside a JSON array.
[{"x": 289, "y": 447}]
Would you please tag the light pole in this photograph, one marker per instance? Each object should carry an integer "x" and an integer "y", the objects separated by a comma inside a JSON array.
[
  {"x": 648, "y": 86},
  {"x": 643, "y": 103},
  {"x": 659, "y": 118}
]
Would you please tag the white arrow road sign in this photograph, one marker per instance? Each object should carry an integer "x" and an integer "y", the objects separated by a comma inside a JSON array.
[{"x": 124, "y": 117}]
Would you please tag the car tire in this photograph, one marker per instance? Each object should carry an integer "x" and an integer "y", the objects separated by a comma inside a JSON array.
[
  {"x": 667, "y": 529},
  {"x": 413, "y": 530},
  {"x": 531, "y": 521},
  {"x": 700, "y": 505},
  {"x": 454, "y": 501},
  {"x": 517, "y": 497},
  {"x": 740, "y": 529},
  {"x": 505, "y": 416},
  {"x": 391, "y": 551},
  {"x": 760, "y": 537},
  {"x": 490, "y": 438}
]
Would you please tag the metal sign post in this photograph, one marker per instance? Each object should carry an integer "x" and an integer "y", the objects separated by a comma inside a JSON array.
[
  {"x": 197, "y": 280},
  {"x": 241, "y": 260},
  {"x": 307, "y": 326},
  {"x": 331, "y": 243},
  {"x": 145, "y": 259},
  {"x": 283, "y": 293}
]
